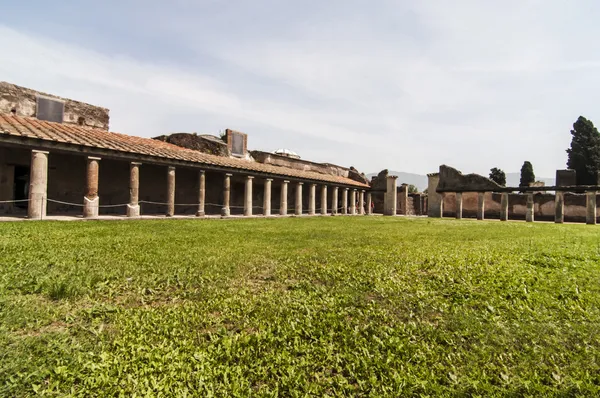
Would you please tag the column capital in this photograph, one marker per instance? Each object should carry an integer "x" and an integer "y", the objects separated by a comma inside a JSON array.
[
  {"x": 171, "y": 167},
  {"x": 313, "y": 184},
  {"x": 268, "y": 179},
  {"x": 286, "y": 181},
  {"x": 135, "y": 163},
  {"x": 228, "y": 174},
  {"x": 347, "y": 189},
  {"x": 202, "y": 171},
  {"x": 250, "y": 177},
  {"x": 40, "y": 151},
  {"x": 300, "y": 183},
  {"x": 94, "y": 158}
]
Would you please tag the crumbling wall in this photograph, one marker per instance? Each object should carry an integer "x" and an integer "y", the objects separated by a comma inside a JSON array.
[
  {"x": 21, "y": 101},
  {"x": 454, "y": 181},
  {"x": 201, "y": 143}
]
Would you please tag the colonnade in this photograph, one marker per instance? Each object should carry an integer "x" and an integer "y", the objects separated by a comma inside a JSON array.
[{"x": 91, "y": 201}]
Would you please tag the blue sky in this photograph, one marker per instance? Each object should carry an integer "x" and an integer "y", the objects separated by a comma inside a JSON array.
[{"x": 404, "y": 85}]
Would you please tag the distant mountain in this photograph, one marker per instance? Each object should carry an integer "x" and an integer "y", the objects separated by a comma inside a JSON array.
[{"x": 420, "y": 181}]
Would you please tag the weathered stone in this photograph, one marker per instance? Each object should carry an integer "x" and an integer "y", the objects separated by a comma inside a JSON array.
[
  {"x": 480, "y": 206},
  {"x": 312, "y": 191},
  {"x": 361, "y": 203},
  {"x": 170, "y": 191},
  {"x": 248, "y": 196},
  {"x": 353, "y": 202},
  {"x": 22, "y": 101},
  {"x": 435, "y": 201},
  {"x": 590, "y": 217},
  {"x": 201, "y": 193},
  {"x": 369, "y": 204},
  {"x": 298, "y": 204},
  {"x": 91, "y": 200},
  {"x": 323, "y": 199},
  {"x": 529, "y": 216},
  {"x": 566, "y": 178},
  {"x": 267, "y": 197},
  {"x": 133, "y": 208},
  {"x": 198, "y": 142},
  {"x": 283, "y": 200},
  {"x": 334, "y": 201},
  {"x": 559, "y": 207},
  {"x": 504, "y": 207},
  {"x": 345, "y": 201},
  {"x": 452, "y": 180},
  {"x": 459, "y": 205},
  {"x": 391, "y": 197},
  {"x": 225, "y": 211},
  {"x": 38, "y": 185}
]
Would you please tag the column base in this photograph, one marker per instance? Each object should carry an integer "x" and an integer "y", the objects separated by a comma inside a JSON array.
[
  {"x": 200, "y": 214},
  {"x": 133, "y": 210},
  {"x": 225, "y": 212},
  {"x": 90, "y": 207}
]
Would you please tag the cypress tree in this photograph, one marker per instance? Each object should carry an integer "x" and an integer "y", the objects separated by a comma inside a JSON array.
[
  {"x": 584, "y": 153},
  {"x": 527, "y": 175}
]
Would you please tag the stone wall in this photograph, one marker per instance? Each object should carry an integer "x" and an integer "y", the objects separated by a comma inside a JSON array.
[
  {"x": 22, "y": 101},
  {"x": 575, "y": 206},
  {"x": 203, "y": 143}
]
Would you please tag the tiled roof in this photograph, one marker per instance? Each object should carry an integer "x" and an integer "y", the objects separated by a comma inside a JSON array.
[{"x": 97, "y": 138}]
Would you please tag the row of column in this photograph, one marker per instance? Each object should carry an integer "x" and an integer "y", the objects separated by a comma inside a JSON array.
[
  {"x": 559, "y": 207},
  {"x": 39, "y": 184}
]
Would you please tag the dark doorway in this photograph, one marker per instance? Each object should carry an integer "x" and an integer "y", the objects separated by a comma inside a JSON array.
[{"x": 21, "y": 186}]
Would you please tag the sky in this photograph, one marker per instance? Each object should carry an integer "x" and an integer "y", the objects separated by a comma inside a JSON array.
[{"x": 402, "y": 85}]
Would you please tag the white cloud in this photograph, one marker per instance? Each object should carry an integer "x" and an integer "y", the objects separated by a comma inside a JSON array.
[{"x": 404, "y": 86}]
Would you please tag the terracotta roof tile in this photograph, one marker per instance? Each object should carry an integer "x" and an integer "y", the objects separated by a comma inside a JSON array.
[{"x": 97, "y": 138}]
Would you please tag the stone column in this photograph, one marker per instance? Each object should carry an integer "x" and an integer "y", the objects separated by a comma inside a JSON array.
[
  {"x": 353, "y": 202},
  {"x": 312, "y": 191},
  {"x": 283, "y": 200},
  {"x": 324, "y": 200},
  {"x": 201, "y": 193},
  {"x": 334, "y": 201},
  {"x": 529, "y": 216},
  {"x": 559, "y": 207},
  {"x": 590, "y": 215},
  {"x": 504, "y": 206},
  {"x": 133, "y": 208},
  {"x": 481, "y": 205},
  {"x": 403, "y": 199},
  {"x": 267, "y": 198},
  {"x": 171, "y": 191},
  {"x": 390, "y": 199},
  {"x": 248, "y": 197},
  {"x": 459, "y": 205},
  {"x": 345, "y": 201},
  {"x": 435, "y": 201},
  {"x": 38, "y": 185},
  {"x": 361, "y": 203},
  {"x": 91, "y": 200},
  {"x": 369, "y": 202},
  {"x": 225, "y": 211},
  {"x": 298, "y": 203}
]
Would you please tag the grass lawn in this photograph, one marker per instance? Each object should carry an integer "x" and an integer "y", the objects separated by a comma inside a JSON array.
[{"x": 332, "y": 306}]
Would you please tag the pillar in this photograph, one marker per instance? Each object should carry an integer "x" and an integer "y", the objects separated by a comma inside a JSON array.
[
  {"x": 201, "y": 193},
  {"x": 324, "y": 200},
  {"x": 590, "y": 215},
  {"x": 345, "y": 201},
  {"x": 559, "y": 207},
  {"x": 91, "y": 200},
  {"x": 283, "y": 201},
  {"x": 403, "y": 199},
  {"x": 504, "y": 206},
  {"x": 435, "y": 201},
  {"x": 353, "y": 202},
  {"x": 133, "y": 208},
  {"x": 481, "y": 205},
  {"x": 267, "y": 198},
  {"x": 369, "y": 203},
  {"x": 312, "y": 191},
  {"x": 248, "y": 196},
  {"x": 361, "y": 203},
  {"x": 529, "y": 217},
  {"x": 391, "y": 196},
  {"x": 38, "y": 185},
  {"x": 459, "y": 205},
  {"x": 298, "y": 203},
  {"x": 171, "y": 191},
  {"x": 334, "y": 201},
  {"x": 225, "y": 211}
]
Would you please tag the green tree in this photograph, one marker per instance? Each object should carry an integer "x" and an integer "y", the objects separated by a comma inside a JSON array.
[
  {"x": 412, "y": 189},
  {"x": 584, "y": 154},
  {"x": 527, "y": 175},
  {"x": 498, "y": 176}
]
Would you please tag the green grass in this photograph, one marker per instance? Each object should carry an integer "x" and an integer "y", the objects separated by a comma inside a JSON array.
[{"x": 337, "y": 306}]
